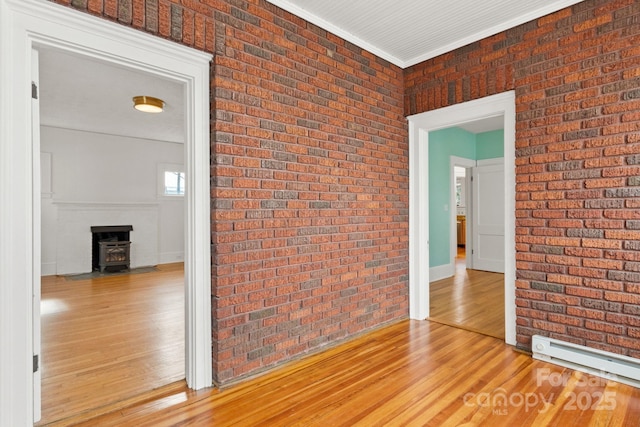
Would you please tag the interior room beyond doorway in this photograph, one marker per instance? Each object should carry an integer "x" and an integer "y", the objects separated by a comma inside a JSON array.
[
  {"x": 111, "y": 337},
  {"x": 108, "y": 339},
  {"x": 472, "y": 300},
  {"x": 466, "y": 291}
]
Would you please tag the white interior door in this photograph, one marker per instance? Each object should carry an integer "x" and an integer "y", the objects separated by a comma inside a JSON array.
[
  {"x": 36, "y": 267},
  {"x": 488, "y": 217}
]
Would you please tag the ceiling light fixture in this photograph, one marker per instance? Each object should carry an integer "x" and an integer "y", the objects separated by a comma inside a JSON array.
[{"x": 148, "y": 104}]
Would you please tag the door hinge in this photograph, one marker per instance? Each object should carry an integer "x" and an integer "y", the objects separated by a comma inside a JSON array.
[
  {"x": 36, "y": 363},
  {"x": 34, "y": 90}
]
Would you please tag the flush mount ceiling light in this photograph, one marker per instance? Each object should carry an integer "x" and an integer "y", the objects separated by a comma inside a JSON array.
[{"x": 148, "y": 104}]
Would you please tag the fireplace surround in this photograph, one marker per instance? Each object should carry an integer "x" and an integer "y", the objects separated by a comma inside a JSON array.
[
  {"x": 110, "y": 247},
  {"x": 74, "y": 237}
]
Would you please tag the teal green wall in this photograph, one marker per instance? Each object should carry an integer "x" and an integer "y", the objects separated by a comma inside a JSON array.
[
  {"x": 442, "y": 145},
  {"x": 490, "y": 145}
]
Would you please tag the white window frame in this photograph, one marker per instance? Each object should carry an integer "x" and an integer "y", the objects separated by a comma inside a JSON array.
[{"x": 170, "y": 167}]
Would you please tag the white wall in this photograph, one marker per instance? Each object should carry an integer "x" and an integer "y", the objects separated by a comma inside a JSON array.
[{"x": 109, "y": 173}]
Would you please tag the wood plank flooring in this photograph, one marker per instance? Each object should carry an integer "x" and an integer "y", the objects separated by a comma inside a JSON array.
[
  {"x": 472, "y": 300},
  {"x": 411, "y": 373},
  {"x": 109, "y": 339}
]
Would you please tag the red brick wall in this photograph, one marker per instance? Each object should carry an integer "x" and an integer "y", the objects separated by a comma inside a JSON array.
[
  {"x": 576, "y": 74},
  {"x": 189, "y": 22},
  {"x": 309, "y": 178},
  {"x": 310, "y": 189}
]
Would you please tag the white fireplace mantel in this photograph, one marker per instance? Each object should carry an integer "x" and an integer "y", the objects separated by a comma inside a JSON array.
[{"x": 65, "y": 204}]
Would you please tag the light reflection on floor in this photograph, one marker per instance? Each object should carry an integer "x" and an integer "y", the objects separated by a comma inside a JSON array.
[{"x": 52, "y": 306}]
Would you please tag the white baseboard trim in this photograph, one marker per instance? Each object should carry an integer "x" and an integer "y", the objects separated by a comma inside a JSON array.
[
  {"x": 170, "y": 257},
  {"x": 441, "y": 272}
]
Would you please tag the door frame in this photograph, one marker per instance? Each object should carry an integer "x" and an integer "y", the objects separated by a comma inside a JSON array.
[
  {"x": 420, "y": 125},
  {"x": 27, "y": 24}
]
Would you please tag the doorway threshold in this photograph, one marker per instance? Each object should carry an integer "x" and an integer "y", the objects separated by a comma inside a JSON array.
[
  {"x": 173, "y": 392},
  {"x": 499, "y": 335}
]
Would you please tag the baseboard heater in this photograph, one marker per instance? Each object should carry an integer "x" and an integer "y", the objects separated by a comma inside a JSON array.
[{"x": 601, "y": 363}]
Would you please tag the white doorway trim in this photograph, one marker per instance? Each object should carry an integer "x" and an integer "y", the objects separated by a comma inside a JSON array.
[
  {"x": 419, "y": 127},
  {"x": 31, "y": 23}
]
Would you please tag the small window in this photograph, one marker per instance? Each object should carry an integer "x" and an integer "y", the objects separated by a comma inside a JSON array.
[
  {"x": 171, "y": 180},
  {"x": 173, "y": 183}
]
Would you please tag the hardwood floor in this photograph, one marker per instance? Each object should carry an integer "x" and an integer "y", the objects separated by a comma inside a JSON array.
[
  {"x": 411, "y": 373},
  {"x": 109, "y": 339},
  {"x": 472, "y": 300}
]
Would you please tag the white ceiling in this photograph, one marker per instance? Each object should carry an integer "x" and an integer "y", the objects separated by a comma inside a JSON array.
[
  {"x": 483, "y": 125},
  {"x": 405, "y": 32},
  {"x": 88, "y": 94},
  {"x": 82, "y": 93}
]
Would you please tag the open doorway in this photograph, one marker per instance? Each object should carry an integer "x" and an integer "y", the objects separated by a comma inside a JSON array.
[
  {"x": 467, "y": 284},
  {"x": 421, "y": 246},
  {"x": 461, "y": 216},
  {"x": 461, "y": 196},
  {"x": 108, "y": 336},
  {"x": 29, "y": 25}
]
